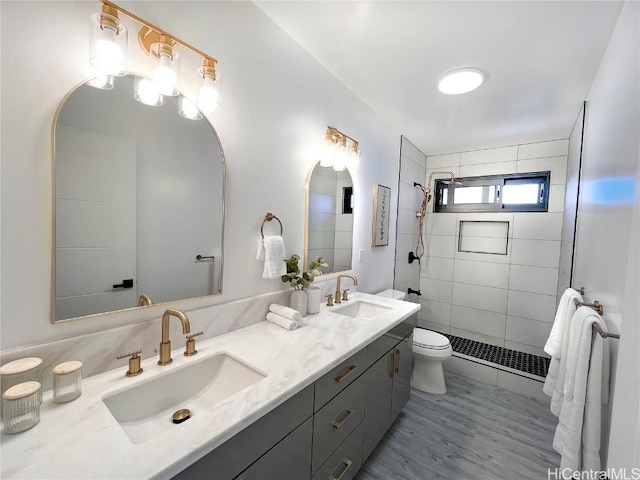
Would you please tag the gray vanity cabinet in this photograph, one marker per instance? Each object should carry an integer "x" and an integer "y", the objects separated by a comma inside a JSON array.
[
  {"x": 288, "y": 460},
  {"x": 402, "y": 369},
  {"x": 378, "y": 384}
]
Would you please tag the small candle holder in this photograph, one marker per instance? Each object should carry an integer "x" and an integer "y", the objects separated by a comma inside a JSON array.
[
  {"x": 20, "y": 371},
  {"x": 21, "y": 407}
]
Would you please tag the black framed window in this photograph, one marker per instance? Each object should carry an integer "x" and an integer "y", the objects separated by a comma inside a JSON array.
[{"x": 518, "y": 192}]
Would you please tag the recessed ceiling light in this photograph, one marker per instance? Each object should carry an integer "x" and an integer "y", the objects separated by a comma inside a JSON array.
[{"x": 461, "y": 80}]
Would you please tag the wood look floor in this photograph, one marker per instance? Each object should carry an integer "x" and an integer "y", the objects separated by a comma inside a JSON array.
[{"x": 474, "y": 432}]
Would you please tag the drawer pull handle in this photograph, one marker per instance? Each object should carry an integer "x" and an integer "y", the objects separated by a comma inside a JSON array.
[
  {"x": 391, "y": 361},
  {"x": 350, "y": 370},
  {"x": 338, "y": 423},
  {"x": 397, "y": 369},
  {"x": 344, "y": 466}
]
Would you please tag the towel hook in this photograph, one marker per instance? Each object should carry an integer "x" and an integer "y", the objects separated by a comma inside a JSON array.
[
  {"x": 267, "y": 218},
  {"x": 597, "y": 306}
]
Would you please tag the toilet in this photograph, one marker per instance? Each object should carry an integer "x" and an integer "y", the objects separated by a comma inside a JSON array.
[{"x": 430, "y": 349}]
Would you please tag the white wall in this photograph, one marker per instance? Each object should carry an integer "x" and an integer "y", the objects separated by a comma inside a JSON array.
[
  {"x": 606, "y": 260},
  {"x": 277, "y": 102},
  {"x": 505, "y": 300}
]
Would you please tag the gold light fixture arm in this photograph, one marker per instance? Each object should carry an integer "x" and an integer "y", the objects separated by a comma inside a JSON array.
[
  {"x": 333, "y": 132},
  {"x": 159, "y": 30}
]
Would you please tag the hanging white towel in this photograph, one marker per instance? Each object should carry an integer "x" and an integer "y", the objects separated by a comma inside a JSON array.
[
  {"x": 586, "y": 388},
  {"x": 285, "y": 312},
  {"x": 566, "y": 309},
  {"x": 260, "y": 252},
  {"x": 274, "y": 265},
  {"x": 285, "y": 323},
  {"x": 553, "y": 385}
]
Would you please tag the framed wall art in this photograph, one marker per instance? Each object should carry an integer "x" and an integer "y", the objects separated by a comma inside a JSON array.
[{"x": 381, "y": 213}]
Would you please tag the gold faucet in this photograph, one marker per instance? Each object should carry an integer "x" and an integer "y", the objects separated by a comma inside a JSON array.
[
  {"x": 165, "y": 345},
  {"x": 346, "y": 275},
  {"x": 144, "y": 300}
]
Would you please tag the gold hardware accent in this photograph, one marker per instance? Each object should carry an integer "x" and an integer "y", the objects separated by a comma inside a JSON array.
[
  {"x": 337, "y": 424},
  {"x": 345, "y": 296},
  {"x": 165, "y": 344},
  {"x": 158, "y": 31},
  {"x": 190, "y": 347},
  {"x": 391, "y": 362},
  {"x": 134, "y": 363},
  {"x": 597, "y": 306},
  {"x": 329, "y": 300},
  {"x": 351, "y": 369},
  {"x": 148, "y": 36},
  {"x": 144, "y": 300},
  {"x": 267, "y": 218},
  {"x": 581, "y": 291},
  {"x": 344, "y": 275},
  {"x": 602, "y": 333},
  {"x": 107, "y": 21},
  {"x": 397, "y": 361},
  {"x": 336, "y": 136},
  {"x": 181, "y": 415},
  {"x": 347, "y": 465}
]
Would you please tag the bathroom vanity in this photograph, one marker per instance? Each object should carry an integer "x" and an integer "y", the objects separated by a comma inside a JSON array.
[{"x": 315, "y": 402}]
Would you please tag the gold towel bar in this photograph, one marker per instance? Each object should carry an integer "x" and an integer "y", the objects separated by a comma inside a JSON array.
[
  {"x": 267, "y": 218},
  {"x": 598, "y": 307}
]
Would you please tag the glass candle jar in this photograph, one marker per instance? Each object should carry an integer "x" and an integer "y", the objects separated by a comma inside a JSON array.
[
  {"x": 21, "y": 407},
  {"x": 67, "y": 381},
  {"x": 20, "y": 371}
]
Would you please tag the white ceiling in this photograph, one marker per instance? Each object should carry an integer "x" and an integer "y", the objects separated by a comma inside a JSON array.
[{"x": 540, "y": 58}]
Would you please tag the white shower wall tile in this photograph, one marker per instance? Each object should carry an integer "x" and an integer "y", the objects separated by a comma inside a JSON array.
[
  {"x": 491, "y": 155},
  {"x": 437, "y": 290},
  {"x": 556, "y": 165},
  {"x": 551, "y": 148},
  {"x": 440, "y": 246},
  {"x": 437, "y": 268},
  {"x": 405, "y": 243},
  {"x": 481, "y": 273},
  {"x": 556, "y": 198},
  {"x": 532, "y": 305},
  {"x": 411, "y": 172},
  {"x": 407, "y": 221},
  {"x": 478, "y": 337},
  {"x": 409, "y": 197},
  {"x": 501, "y": 168},
  {"x": 411, "y": 152},
  {"x": 537, "y": 226},
  {"x": 436, "y": 327},
  {"x": 435, "y": 312},
  {"x": 527, "y": 331},
  {"x": 482, "y": 298},
  {"x": 478, "y": 321},
  {"x": 440, "y": 224},
  {"x": 536, "y": 253},
  {"x": 533, "y": 279},
  {"x": 441, "y": 161}
]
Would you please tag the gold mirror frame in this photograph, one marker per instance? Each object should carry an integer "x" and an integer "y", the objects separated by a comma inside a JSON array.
[
  {"x": 305, "y": 255},
  {"x": 53, "y": 220}
]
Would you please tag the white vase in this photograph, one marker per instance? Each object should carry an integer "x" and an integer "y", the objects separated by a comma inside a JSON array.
[
  {"x": 299, "y": 301},
  {"x": 314, "y": 298}
]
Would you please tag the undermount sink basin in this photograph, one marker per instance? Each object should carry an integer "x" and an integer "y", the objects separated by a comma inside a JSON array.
[
  {"x": 145, "y": 410},
  {"x": 362, "y": 309}
]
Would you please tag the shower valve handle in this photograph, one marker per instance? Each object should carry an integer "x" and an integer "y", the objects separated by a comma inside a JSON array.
[{"x": 411, "y": 290}]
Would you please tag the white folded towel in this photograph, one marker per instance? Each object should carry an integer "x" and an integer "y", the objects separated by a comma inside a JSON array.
[
  {"x": 285, "y": 312},
  {"x": 260, "y": 252},
  {"x": 274, "y": 265},
  {"x": 566, "y": 309},
  {"x": 285, "y": 323},
  {"x": 586, "y": 388}
]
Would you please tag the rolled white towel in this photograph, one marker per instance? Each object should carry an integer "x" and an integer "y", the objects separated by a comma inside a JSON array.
[
  {"x": 285, "y": 323},
  {"x": 285, "y": 312}
]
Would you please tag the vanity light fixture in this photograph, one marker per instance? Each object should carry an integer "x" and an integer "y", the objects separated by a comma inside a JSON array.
[
  {"x": 108, "y": 42},
  {"x": 108, "y": 47},
  {"x": 188, "y": 110},
  {"x": 339, "y": 150},
  {"x": 461, "y": 80},
  {"x": 103, "y": 82}
]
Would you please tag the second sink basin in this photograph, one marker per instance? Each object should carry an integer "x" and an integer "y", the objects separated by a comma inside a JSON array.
[
  {"x": 144, "y": 411},
  {"x": 362, "y": 309}
]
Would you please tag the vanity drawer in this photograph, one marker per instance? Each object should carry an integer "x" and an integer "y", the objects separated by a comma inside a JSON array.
[
  {"x": 379, "y": 347},
  {"x": 337, "y": 379},
  {"x": 237, "y": 453},
  {"x": 345, "y": 461},
  {"x": 335, "y": 421}
]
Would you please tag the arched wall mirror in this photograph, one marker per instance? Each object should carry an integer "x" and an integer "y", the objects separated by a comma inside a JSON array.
[
  {"x": 330, "y": 210},
  {"x": 139, "y": 194}
]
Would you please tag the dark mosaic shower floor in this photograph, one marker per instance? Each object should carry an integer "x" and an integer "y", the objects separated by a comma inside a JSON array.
[{"x": 525, "y": 362}]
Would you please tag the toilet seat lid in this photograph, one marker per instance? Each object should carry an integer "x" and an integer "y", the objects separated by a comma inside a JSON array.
[{"x": 428, "y": 339}]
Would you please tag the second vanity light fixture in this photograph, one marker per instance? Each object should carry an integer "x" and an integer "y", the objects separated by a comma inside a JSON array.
[
  {"x": 339, "y": 149},
  {"x": 108, "y": 57}
]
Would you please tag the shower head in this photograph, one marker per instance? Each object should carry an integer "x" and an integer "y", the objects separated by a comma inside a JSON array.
[{"x": 449, "y": 181}]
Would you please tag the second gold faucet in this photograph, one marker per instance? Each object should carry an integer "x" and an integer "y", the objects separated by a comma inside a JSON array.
[
  {"x": 344, "y": 275},
  {"x": 165, "y": 344}
]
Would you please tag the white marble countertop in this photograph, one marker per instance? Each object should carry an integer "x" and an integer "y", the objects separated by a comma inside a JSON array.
[{"x": 82, "y": 440}]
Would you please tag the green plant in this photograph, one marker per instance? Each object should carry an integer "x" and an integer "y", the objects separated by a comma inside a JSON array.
[{"x": 301, "y": 280}]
